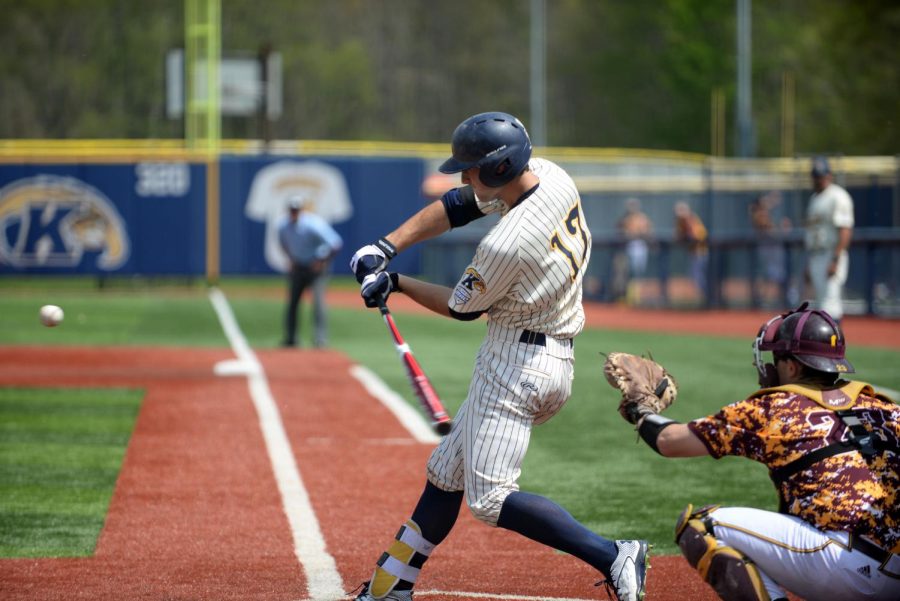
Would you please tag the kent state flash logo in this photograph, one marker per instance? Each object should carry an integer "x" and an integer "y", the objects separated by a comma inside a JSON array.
[
  {"x": 52, "y": 221},
  {"x": 471, "y": 282}
]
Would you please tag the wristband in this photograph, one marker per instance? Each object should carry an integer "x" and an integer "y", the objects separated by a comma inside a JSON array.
[
  {"x": 395, "y": 281},
  {"x": 650, "y": 426},
  {"x": 389, "y": 250}
]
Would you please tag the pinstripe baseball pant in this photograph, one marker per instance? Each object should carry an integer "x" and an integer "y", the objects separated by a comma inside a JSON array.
[{"x": 520, "y": 379}]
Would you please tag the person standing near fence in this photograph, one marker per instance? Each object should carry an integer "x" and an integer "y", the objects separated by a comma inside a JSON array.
[
  {"x": 689, "y": 230},
  {"x": 310, "y": 243},
  {"x": 829, "y": 228},
  {"x": 770, "y": 250},
  {"x": 635, "y": 227}
]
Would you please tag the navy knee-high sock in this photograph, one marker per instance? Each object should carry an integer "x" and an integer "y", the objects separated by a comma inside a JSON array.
[
  {"x": 436, "y": 512},
  {"x": 542, "y": 520}
]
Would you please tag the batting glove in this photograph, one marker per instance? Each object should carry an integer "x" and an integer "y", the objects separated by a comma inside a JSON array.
[
  {"x": 372, "y": 258},
  {"x": 377, "y": 287}
]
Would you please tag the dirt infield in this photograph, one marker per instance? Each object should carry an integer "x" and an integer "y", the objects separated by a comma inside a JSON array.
[{"x": 196, "y": 513}]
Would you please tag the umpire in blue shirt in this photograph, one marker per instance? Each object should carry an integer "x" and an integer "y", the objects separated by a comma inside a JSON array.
[{"x": 310, "y": 243}]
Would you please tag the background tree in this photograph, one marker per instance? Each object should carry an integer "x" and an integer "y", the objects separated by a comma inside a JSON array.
[{"x": 626, "y": 74}]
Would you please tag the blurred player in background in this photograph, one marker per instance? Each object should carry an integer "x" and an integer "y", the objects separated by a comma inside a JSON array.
[
  {"x": 689, "y": 230},
  {"x": 770, "y": 250},
  {"x": 832, "y": 447},
  {"x": 829, "y": 227},
  {"x": 636, "y": 228},
  {"x": 310, "y": 243},
  {"x": 527, "y": 277}
]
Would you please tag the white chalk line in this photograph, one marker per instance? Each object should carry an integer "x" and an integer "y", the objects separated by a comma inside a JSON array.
[
  {"x": 323, "y": 580},
  {"x": 411, "y": 419}
]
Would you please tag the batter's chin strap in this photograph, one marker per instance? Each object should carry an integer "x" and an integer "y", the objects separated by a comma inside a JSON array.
[{"x": 858, "y": 439}]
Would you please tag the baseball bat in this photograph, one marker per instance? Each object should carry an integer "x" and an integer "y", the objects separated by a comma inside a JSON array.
[{"x": 421, "y": 385}]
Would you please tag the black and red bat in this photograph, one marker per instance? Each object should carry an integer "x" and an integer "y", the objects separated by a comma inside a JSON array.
[{"x": 421, "y": 385}]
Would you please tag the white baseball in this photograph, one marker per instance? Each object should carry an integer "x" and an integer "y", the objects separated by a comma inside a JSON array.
[{"x": 51, "y": 315}]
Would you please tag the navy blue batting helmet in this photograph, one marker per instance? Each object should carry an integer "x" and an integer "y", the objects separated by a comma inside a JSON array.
[{"x": 496, "y": 143}]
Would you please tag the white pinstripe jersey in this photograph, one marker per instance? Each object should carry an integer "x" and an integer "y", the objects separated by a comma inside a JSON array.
[{"x": 528, "y": 269}]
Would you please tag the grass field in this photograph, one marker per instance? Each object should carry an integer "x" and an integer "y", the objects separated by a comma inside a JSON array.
[
  {"x": 60, "y": 454},
  {"x": 586, "y": 458}
]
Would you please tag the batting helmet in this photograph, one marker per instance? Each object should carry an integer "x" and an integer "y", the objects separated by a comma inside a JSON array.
[
  {"x": 811, "y": 337},
  {"x": 496, "y": 143}
]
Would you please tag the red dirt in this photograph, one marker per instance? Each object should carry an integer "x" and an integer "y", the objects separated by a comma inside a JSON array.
[{"x": 196, "y": 513}]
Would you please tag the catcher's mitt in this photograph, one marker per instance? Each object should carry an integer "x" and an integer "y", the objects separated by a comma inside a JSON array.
[{"x": 645, "y": 384}]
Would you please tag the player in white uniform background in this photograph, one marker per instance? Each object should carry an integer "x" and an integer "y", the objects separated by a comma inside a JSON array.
[
  {"x": 829, "y": 226},
  {"x": 526, "y": 276}
]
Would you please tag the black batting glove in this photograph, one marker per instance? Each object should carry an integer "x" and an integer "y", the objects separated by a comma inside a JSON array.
[
  {"x": 377, "y": 287},
  {"x": 372, "y": 258}
]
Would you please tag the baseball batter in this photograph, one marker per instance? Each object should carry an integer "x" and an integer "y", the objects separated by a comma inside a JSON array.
[
  {"x": 833, "y": 451},
  {"x": 829, "y": 227},
  {"x": 526, "y": 276}
]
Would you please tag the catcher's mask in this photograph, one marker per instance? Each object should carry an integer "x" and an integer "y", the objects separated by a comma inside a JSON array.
[
  {"x": 497, "y": 143},
  {"x": 810, "y": 336}
]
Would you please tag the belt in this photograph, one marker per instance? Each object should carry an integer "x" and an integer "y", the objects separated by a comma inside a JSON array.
[
  {"x": 538, "y": 338},
  {"x": 873, "y": 551}
]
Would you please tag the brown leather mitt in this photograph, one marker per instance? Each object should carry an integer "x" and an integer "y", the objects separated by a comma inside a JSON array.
[{"x": 646, "y": 386}]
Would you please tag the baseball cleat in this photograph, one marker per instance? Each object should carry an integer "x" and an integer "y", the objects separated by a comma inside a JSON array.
[
  {"x": 391, "y": 596},
  {"x": 628, "y": 574}
]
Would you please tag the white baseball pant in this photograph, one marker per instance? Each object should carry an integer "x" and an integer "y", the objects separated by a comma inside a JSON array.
[
  {"x": 515, "y": 385},
  {"x": 793, "y": 554}
]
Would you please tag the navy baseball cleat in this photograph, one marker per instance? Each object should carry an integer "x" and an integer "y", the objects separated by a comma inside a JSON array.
[{"x": 628, "y": 574}]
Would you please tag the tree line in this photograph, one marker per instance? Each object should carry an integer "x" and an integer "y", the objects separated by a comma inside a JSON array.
[{"x": 636, "y": 74}]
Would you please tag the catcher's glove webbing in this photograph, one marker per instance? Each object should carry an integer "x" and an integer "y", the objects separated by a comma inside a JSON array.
[{"x": 646, "y": 386}]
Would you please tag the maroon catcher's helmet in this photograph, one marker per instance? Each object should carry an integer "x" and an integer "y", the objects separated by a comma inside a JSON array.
[{"x": 810, "y": 336}]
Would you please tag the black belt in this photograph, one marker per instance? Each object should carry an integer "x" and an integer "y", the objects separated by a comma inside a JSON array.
[
  {"x": 538, "y": 338},
  {"x": 858, "y": 543}
]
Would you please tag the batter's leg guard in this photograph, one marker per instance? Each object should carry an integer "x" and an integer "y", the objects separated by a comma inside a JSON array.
[
  {"x": 402, "y": 561},
  {"x": 733, "y": 576}
]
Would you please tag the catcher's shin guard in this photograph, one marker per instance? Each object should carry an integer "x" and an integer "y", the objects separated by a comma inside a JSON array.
[
  {"x": 733, "y": 576},
  {"x": 401, "y": 562}
]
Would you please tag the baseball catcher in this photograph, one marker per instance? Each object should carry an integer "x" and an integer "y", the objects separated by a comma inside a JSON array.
[
  {"x": 647, "y": 388},
  {"x": 832, "y": 447}
]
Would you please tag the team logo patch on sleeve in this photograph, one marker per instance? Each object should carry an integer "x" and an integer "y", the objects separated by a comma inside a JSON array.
[
  {"x": 461, "y": 295},
  {"x": 473, "y": 281}
]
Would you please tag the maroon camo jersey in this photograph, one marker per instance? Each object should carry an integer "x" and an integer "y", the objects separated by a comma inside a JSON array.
[{"x": 841, "y": 492}]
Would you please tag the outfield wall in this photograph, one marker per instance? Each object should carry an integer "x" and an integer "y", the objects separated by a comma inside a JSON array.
[
  {"x": 150, "y": 208},
  {"x": 150, "y": 215}
]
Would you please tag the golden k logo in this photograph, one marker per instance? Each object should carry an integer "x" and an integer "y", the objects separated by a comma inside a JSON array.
[{"x": 51, "y": 221}]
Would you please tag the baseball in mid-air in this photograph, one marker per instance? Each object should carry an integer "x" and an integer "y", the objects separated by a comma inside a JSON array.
[{"x": 51, "y": 315}]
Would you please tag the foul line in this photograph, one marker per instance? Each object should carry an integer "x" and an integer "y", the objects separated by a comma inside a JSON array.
[
  {"x": 323, "y": 580},
  {"x": 411, "y": 419}
]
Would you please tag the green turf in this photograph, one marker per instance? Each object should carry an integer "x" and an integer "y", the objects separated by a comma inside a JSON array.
[
  {"x": 60, "y": 454},
  {"x": 586, "y": 458}
]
